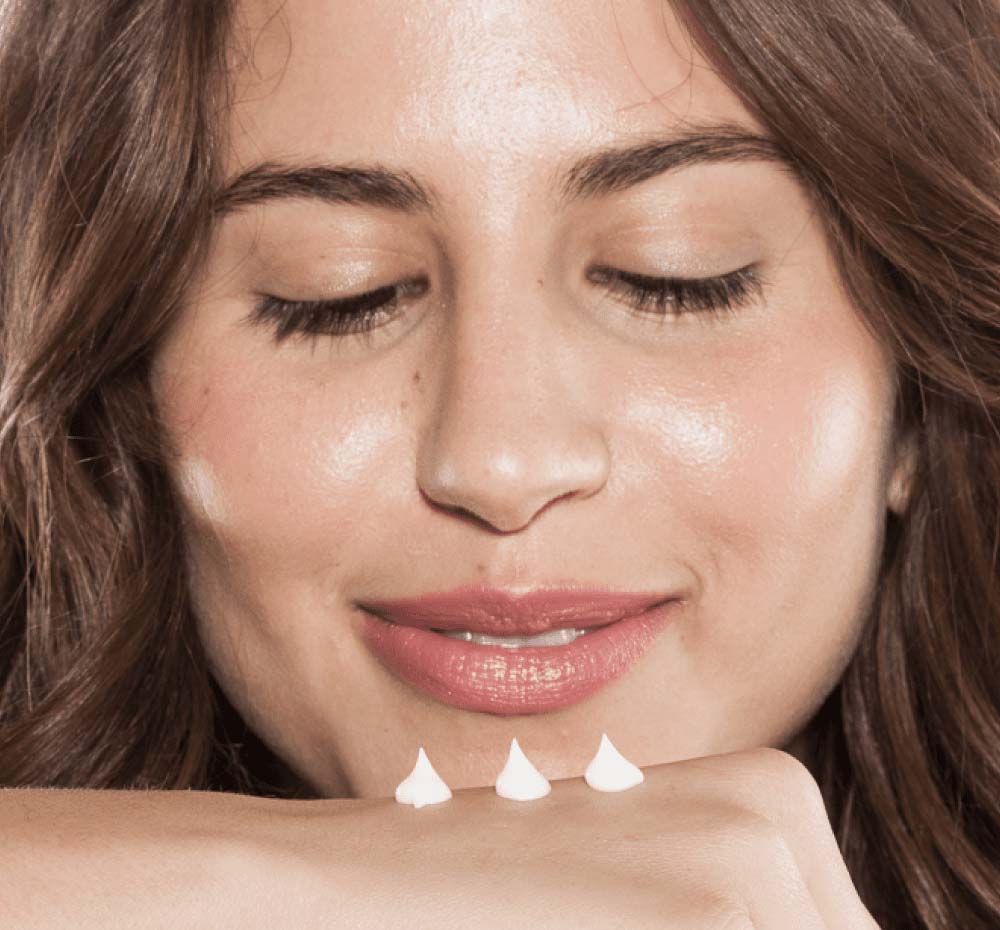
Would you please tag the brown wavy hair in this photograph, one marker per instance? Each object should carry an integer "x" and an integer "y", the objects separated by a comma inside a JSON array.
[{"x": 110, "y": 129}]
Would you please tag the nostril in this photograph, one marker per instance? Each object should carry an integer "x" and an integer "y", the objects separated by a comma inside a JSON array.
[{"x": 494, "y": 524}]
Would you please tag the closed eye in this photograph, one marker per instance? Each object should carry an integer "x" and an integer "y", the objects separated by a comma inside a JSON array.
[
  {"x": 647, "y": 295},
  {"x": 338, "y": 316},
  {"x": 673, "y": 296}
]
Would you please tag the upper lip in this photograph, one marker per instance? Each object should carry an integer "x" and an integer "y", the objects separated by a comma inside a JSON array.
[{"x": 501, "y": 612}]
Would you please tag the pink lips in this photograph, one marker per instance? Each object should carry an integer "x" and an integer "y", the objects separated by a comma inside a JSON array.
[{"x": 503, "y": 680}]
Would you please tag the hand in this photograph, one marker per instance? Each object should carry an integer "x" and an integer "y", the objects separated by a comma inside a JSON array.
[{"x": 726, "y": 842}]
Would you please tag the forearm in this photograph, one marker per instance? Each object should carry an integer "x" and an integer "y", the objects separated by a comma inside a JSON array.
[{"x": 134, "y": 859}]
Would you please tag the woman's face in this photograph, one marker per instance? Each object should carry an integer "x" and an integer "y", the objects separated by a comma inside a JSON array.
[{"x": 511, "y": 421}]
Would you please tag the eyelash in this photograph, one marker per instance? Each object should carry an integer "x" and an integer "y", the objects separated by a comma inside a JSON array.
[{"x": 707, "y": 298}]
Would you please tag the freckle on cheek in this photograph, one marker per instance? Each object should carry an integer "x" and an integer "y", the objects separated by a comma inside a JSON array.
[{"x": 201, "y": 490}]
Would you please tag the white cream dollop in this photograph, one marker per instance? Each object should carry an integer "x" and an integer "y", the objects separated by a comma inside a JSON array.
[
  {"x": 423, "y": 785},
  {"x": 609, "y": 770},
  {"x": 520, "y": 780}
]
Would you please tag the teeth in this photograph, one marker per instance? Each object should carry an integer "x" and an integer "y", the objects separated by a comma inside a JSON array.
[{"x": 548, "y": 638}]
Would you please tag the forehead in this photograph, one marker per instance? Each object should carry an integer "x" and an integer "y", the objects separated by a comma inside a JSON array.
[{"x": 466, "y": 89}]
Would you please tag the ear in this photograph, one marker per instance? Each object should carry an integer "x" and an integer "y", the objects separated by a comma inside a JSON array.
[{"x": 903, "y": 467}]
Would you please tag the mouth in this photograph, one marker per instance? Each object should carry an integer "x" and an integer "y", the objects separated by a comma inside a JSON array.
[{"x": 544, "y": 663}]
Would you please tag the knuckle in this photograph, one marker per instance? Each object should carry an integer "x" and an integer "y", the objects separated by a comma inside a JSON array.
[
  {"x": 735, "y": 920},
  {"x": 777, "y": 763},
  {"x": 725, "y": 913},
  {"x": 787, "y": 784},
  {"x": 759, "y": 859},
  {"x": 700, "y": 904},
  {"x": 747, "y": 840}
]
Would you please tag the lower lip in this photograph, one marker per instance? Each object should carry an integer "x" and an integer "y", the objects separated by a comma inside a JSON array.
[{"x": 504, "y": 680}]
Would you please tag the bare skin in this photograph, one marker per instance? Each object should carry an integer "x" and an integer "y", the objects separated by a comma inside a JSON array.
[
  {"x": 513, "y": 406},
  {"x": 516, "y": 405},
  {"x": 737, "y": 840},
  {"x": 729, "y": 841}
]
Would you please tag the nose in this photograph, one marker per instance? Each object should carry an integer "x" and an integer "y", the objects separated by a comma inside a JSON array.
[{"x": 511, "y": 430}]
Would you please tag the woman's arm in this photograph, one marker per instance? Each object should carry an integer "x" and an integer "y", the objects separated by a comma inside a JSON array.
[
  {"x": 103, "y": 859},
  {"x": 739, "y": 840}
]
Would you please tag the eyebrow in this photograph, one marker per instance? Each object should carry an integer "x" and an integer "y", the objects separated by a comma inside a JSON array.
[{"x": 604, "y": 171}]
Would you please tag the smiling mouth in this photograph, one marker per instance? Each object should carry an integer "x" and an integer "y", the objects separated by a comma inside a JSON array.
[{"x": 513, "y": 674}]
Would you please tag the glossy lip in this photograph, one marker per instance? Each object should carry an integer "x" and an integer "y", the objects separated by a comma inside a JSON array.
[
  {"x": 506, "y": 681},
  {"x": 502, "y": 612}
]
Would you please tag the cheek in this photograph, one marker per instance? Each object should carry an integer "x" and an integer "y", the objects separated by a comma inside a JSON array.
[
  {"x": 202, "y": 492},
  {"x": 805, "y": 453},
  {"x": 766, "y": 482},
  {"x": 801, "y": 549},
  {"x": 770, "y": 476},
  {"x": 281, "y": 478},
  {"x": 784, "y": 448}
]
